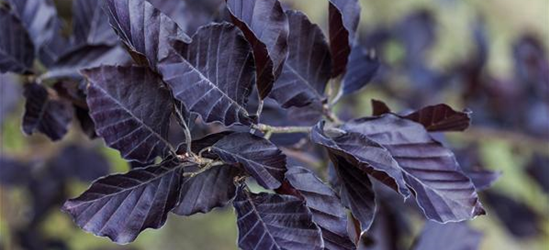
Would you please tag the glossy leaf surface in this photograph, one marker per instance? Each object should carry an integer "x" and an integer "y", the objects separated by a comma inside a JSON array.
[
  {"x": 265, "y": 25},
  {"x": 271, "y": 221},
  {"x": 131, "y": 110},
  {"x": 201, "y": 80}
]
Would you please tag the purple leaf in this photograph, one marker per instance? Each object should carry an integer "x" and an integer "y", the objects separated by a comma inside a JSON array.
[
  {"x": 356, "y": 192},
  {"x": 90, "y": 24},
  {"x": 450, "y": 236},
  {"x": 123, "y": 205},
  {"x": 190, "y": 14},
  {"x": 208, "y": 190},
  {"x": 258, "y": 156},
  {"x": 538, "y": 169},
  {"x": 131, "y": 110},
  {"x": 86, "y": 164},
  {"x": 266, "y": 27},
  {"x": 271, "y": 221},
  {"x": 440, "y": 118},
  {"x": 45, "y": 114},
  {"x": 86, "y": 123},
  {"x": 435, "y": 118},
  {"x": 87, "y": 56},
  {"x": 442, "y": 190},
  {"x": 344, "y": 16},
  {"x": 328, "y": 213},
  {"x": 363, "y": 153},
  {"x": 202, "y": 81},
  {"x": 204, "y": 142},
  {"x": 10, "y": 95},
  {"x": 307, "y": 69},
  {"x": 520, "y": 220},
  {"x": 361, "y": 68},
  {"x": 144, "y": 30},
  {"x": 16, "y": 48}
]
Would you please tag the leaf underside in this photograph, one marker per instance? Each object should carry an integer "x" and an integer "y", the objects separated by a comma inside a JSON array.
[{"x": 361, "y": 68}]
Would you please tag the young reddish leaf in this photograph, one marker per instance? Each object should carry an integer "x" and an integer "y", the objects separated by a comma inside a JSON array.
[
  {"x": 435, "y": 118},
  {"x": 208, "y": 190},
  {"x": 202, "y": 81},
  {"x": 16, "y": 48},
  {"x": 450, "y": 236},
  {"x": 45, "y": 114},
  {"x": 123, "y": 205},
  {"x": 441, "y": 188},
  {"x": 379, "y": 108},
  {"x": 441, "y": 117},
  {"x": 265, "y": 25},
  {"x": 131, "y": 110},
  {"x": 344, "y": 16},
  {"x": 307, "y": 69},
  {"x": 258, "y": 156},
  {"x": 361, "y": 68},
  {"x": 356, "y": 192},
  {"x": 325, "y": 206},
  {"x": 90, "y": 24},
  {"x": 363, "y": 153},
  {"x": 272, "y": 221},
  {"x": 144, "y": 30}
]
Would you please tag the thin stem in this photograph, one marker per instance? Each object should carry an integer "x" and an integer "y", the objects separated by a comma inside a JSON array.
[
  {"x": 259, "y": 109},
  {"x": 188, "y": 138},
  {"x": 282, "y": 130},
  {"x": 327, "y": 112}
]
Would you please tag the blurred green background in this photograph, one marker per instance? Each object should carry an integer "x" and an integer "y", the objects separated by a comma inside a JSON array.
[{"x": 505, "y": 21}]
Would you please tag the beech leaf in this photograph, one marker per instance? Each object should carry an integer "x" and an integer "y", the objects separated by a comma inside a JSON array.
[
  {"x": 272, "y": 221},
  {"x": 45, "y": 114},
  {"x": 307, "y": 69},
  {"x": 258, "y": 156},
  {"x": 200, "y": 78},
  {"x": 344, "y": 16},
  {"x": 123, "y": 205},
  {"x": 131, "y": 110},
  {"x": 361, "y": 68},
  {"x": 16, "y": 48},
  {"x": 91, "y": 24},
  {"x": 451, "y": 236},
  {"x": 266, "y": 27}
]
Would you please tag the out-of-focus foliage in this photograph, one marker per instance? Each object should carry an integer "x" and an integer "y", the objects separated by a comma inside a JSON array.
[{"x": 488, "y": 56}]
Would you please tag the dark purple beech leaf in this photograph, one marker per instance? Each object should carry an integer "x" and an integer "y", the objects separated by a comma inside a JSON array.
[
  {"x": 80, "y": 162},
  {"x": 10, "y": 95},
  {"x": 442, "y": 190},
  {"x": 16, "y": 48},
  {"x": 450, "y": 236},
  {"x": 344, "y": 16},
  {"x": 361, "y": 68},
  {"x": 200, "y": 78},
  {"x": 266, "y": 27},
  {"x": 307, "y": 70},
  {"x": 123, "y": 205},
  {"x": 39, "y": 18},
  {"x": 144, "y": 30},
  {"x": 356, "y": 192},
  {"x": 272, "y": 221},
  {"x": 191, "y": 14},
  {"x": 435, "y": 118},
  {"x": 328, "y": 213},
  {"x": 258, "y": 156},
  {"x": 517, "y": 217},
  {"x": 90, "y": 24},
  {"x": 131, "y": 110},
  {"x": 440, "y": 118},
  {"x": 202, "y": 193},
  {"x": 202, "y": 143},
  {"x": 174, "y": 9},
  {"x": 86, "y": 123},
  {"x": 379, "y": 108},
  {"x": 363, "y": 153},
  {"x": 13, "y": 172},
  {"x": 45, "y": 114},
  {"x": 483, "y": 179},
  {"x": 87, "y": 56}
]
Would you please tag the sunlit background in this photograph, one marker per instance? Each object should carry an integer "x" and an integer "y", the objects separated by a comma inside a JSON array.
[{"x": 481, "y": 55}]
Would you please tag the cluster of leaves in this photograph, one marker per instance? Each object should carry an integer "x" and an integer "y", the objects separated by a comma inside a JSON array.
[{"x": 208, "y": 80}]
